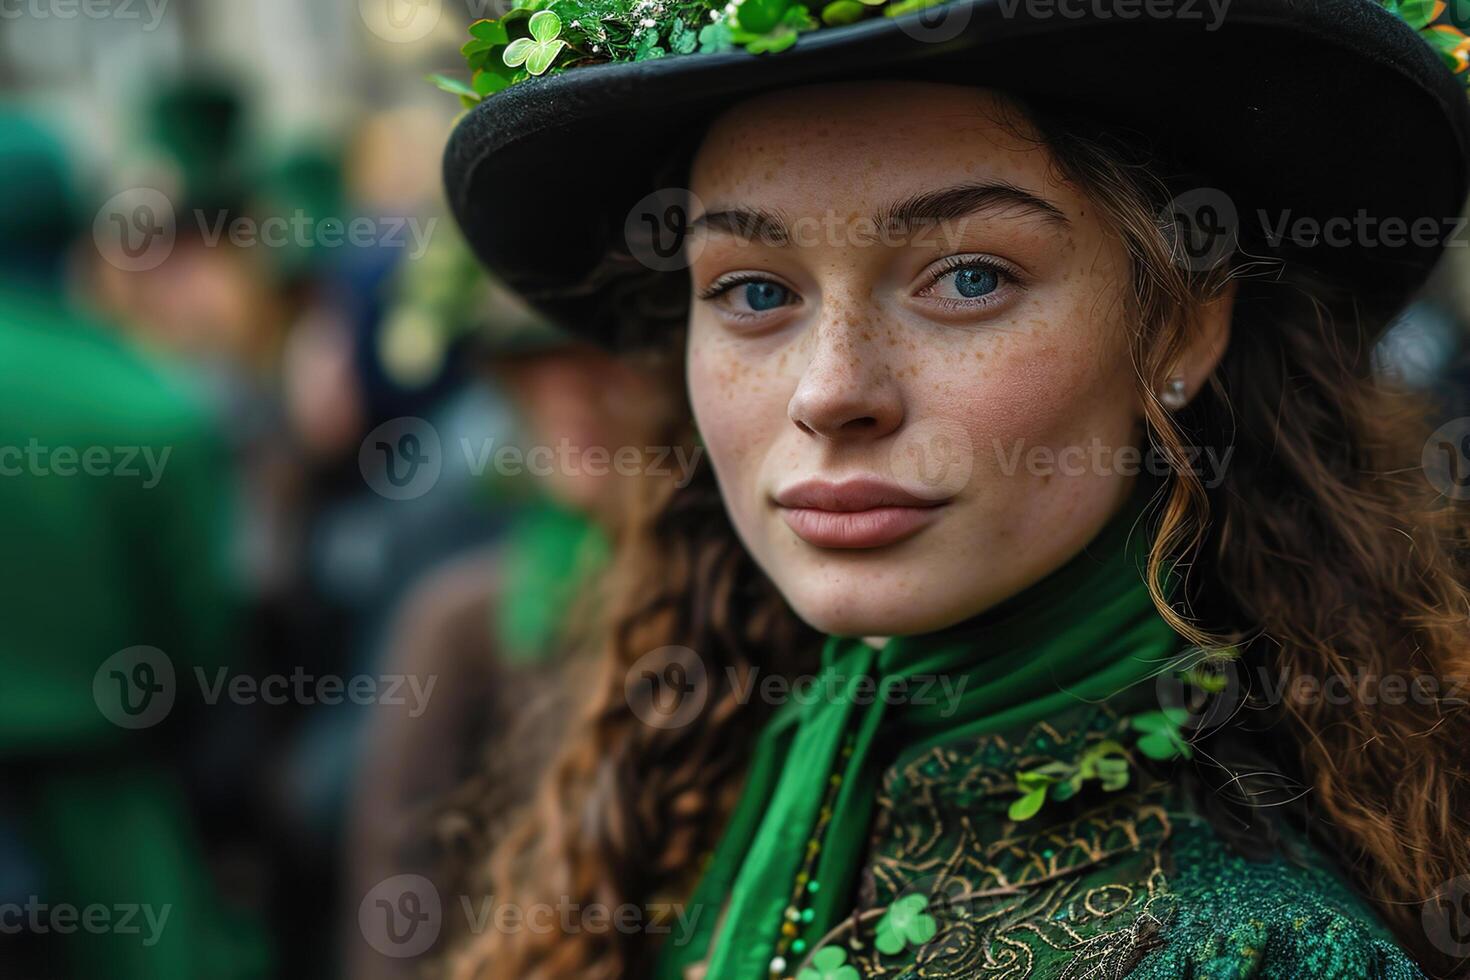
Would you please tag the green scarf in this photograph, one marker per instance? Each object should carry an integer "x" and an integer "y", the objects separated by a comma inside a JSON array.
[
  {"x": 549, "y": 555},
  {"x": 1084, "y": 632}
]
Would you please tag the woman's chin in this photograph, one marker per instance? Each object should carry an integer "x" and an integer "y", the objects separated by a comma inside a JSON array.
[{"x": 870, "y": 612}]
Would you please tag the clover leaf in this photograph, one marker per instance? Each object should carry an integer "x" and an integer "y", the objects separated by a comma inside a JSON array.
[
  {"x": 902, "y": 7},
  {"x": 648, "y": 47},
  {"x": 682, "y": 38},
  {"x": 905, "y": 924},
  {"x": 1162, "y": 736},
  {"x": 716, "y": 37},
  {"x": 539, "y": 50},
  {"x": 1028, "y": 805},
  {"x": 485, "y": 35},
  {"x": 843, "y": 12},
  {"x": 1034, "y": 787},
  {"x": 759, "y": 16},
  {"x": 769, "y": 25},
  {"x": 454, "y": 87},
  {"x": 829, "y": 963},
  {"x": 1112, "y": 773},
  {"x": 1416, "y": 13},
  {"x": 1105, "y": 762}
]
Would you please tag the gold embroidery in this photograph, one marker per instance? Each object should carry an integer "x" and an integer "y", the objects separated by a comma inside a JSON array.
[{"x": 1088, "y": 896}]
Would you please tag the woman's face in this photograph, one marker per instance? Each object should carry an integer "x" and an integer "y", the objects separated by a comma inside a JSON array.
[{"x": 908, "y": 351}]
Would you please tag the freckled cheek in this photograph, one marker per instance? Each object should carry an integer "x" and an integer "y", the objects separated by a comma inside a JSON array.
[
  {"x": 1042, "y": 388},
  {"x": 740, "y": 413}
]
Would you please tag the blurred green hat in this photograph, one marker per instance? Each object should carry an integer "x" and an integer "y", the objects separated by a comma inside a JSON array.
[
  {"x": 40, "y": 208},
  {"x": 198, "y": 123}
]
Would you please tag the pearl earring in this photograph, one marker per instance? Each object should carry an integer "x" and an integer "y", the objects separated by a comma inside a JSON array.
[{"x": 1173, "y": 395}]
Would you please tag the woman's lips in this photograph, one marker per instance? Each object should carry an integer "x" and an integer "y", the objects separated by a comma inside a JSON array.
[
  {"x": 854, "y": 514},
  {"x": 871, "y": 528}
]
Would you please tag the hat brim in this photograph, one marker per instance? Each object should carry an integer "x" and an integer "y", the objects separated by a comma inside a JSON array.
[{"x": 1327, "y": 110}]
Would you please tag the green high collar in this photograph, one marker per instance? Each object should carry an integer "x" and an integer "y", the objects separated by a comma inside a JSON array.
[{"x": 785, "y": 869}]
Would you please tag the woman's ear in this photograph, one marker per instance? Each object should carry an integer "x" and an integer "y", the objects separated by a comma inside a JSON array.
[{"x": 1208, "y": 339}]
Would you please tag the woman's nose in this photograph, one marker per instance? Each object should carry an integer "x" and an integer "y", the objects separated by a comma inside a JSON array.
[{"x": 847, "y": 390}]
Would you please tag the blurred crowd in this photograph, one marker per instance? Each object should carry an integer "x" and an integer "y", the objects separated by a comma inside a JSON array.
[
  {"x": 271, "y": 585},
  {"x": 267, "y": 565}
]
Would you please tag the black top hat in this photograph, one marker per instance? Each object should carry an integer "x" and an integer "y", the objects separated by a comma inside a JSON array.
[{"x": 1332, "y": 111}]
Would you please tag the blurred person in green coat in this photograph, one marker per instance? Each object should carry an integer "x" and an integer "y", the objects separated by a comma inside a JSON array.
[
  {"x": 494, "y": 634},
  {"x": 114, "y": 510}
]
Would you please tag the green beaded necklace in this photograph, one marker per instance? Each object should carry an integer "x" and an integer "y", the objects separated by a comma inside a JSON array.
[{"x": 799, "y": 912}]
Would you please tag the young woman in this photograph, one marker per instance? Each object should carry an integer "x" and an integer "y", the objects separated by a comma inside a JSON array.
[{"x": 1064, "y": 597}]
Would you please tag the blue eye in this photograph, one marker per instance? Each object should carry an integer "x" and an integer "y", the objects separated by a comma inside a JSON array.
[
  {"x": 763, "y": 295},
  {"x": 750, "y": 295},
  {"x": 970, "y": 283},
  {"x": 974, "y": 281}
]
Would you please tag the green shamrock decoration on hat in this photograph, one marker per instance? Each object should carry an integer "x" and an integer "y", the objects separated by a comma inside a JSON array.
[{"x": 538, "y": 37}]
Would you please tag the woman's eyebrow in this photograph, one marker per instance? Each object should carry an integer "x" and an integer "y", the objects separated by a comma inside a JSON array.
[
  {"x": 745, "y": 224},
  {"x": 933, "y": 207},
  {"x": 963, "y": 200}
]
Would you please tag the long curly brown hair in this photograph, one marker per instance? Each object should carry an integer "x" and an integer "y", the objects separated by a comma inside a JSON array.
[{"x": 1324, "y": 551}]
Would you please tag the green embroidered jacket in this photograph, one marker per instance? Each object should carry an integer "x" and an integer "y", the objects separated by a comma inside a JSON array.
[{"x": 1131, "y": 883}]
